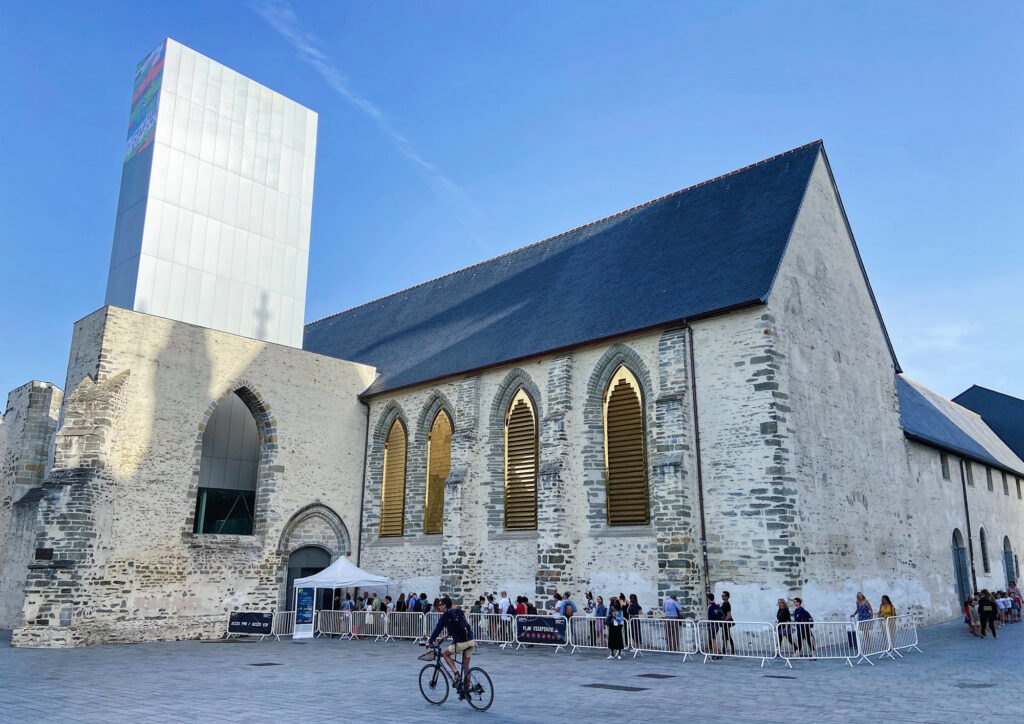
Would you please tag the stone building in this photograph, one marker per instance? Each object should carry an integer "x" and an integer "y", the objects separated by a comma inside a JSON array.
[{"x": 697, "y": 393}]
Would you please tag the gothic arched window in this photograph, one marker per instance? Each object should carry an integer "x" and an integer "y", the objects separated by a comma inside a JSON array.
[
  {"x": 625, "y": 451},
  {"x": 228, "y": 470},
  {"x": 984, "y": 551},
  {"x": 521, "y": 464},
  {"x": 439, "y": 464},
  {"x": 392, "y": 499}
]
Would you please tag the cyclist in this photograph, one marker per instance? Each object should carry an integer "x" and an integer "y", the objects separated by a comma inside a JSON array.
[{"x": 454, "y": 622}]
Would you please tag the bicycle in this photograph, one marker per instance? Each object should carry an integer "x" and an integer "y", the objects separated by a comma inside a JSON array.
[{"x": 435, "y": 680}]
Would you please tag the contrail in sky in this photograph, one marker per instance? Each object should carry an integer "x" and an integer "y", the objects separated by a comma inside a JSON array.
[{"x": 281, "y": 17}]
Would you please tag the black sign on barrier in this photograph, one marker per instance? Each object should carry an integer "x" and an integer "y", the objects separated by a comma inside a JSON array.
[
  {"x": 541, "y": 630},
  {"x": 250, "y": 622}
]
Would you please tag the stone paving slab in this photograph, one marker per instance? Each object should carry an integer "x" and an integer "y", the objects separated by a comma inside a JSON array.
[{"x": 958, "y": 678}]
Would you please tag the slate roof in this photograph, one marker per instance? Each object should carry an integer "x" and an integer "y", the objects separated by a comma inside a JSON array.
[
  {"x": 932, "y": 419},
  {"x": 1003, "y": 413},
  {"x": 706, "y": 249}
]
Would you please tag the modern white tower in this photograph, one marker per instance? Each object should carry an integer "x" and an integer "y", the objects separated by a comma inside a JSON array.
[{"x": 216, "y": 198}]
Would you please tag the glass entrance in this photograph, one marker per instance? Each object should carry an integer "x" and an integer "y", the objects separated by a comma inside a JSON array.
[{"x": 305, "y": 562}]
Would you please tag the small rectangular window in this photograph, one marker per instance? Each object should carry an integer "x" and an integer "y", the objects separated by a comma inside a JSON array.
[
  {"x": 1018, "y": 489},
  {"x": 970, "y": 472},
  {"x": 1006, "y": 485},
  {"x": 944, "y": 459},
  {"x": 988, "y": 477}
]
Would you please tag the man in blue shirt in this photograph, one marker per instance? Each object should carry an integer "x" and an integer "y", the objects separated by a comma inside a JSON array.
[
  {"x": 672, "y": 610},
  {"x": 454, "y": 622}
]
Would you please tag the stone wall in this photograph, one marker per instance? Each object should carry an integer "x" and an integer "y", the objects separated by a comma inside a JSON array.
[
  {"x": 116, "y": 512},
  {"x": 27, "y": 431}
]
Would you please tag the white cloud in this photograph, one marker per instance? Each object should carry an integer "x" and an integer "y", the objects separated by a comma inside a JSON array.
[{"x": 281, "y": 16}]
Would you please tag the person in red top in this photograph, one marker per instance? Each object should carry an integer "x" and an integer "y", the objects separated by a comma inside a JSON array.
[{"x": 521, "y": 606}]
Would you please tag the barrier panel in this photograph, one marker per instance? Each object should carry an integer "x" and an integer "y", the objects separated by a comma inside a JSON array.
[
  {"x": 737, "y": 639},
  {"x": 873, "y": 639},
  {"x": 817, "y": 640},
  {"x": 429, "y": 622},
  {"x": 493, "y": 628},
  {"x": 541, "y": 631},
  {"x": 588, "y": 632},
  {"x": 333, "y": 623},
  {"x": 369, "y": 624},
  {"x": 664, "y": 635},
  {"x": 405, "y": 625},
  {"x": 902, "y": 631},
  {"x": 284, "y": 624}
]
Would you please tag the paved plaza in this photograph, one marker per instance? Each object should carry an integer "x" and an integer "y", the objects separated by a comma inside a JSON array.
[{"x": 958, "y": 678}]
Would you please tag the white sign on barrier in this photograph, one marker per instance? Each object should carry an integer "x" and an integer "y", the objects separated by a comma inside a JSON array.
[
  {"x": 664, "y": 635},
  {"x": 737, "y": 639}
]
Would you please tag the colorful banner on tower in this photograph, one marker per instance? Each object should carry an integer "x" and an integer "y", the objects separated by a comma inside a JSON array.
[{"x": 145, "y": 99}]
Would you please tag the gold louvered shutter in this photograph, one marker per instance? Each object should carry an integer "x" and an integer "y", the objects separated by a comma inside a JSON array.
[
  {"x": 392, "y": 502},
  {"x": 625, "y": 454},
  {"x": 520, "y": 465},
  {"x": 439, "y": 464}
]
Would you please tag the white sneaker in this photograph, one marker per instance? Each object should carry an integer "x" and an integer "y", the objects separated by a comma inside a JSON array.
[
  {"x": 619, "y": 657},
  {"x": 611, "y": 656}
]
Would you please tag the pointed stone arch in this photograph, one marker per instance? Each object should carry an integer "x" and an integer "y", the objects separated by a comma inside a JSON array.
[
  {"x": 313, "y": 526},
  {"x": 617, "y": 355},
  {"x": 516, "y": 379},
  {"x": 269, "y": 471}
]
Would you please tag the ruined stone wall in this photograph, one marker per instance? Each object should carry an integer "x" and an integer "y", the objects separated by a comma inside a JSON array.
[
  {"x": 27, "y": 431},
  {"x": 116, "y": 512}
]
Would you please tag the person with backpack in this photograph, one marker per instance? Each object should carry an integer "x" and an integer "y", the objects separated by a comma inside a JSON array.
[
  {"x": 803, "y": 632},
  {"x": 715, "y": 616},
  {"x": 616, "y": 624},
  {"x": 567, "y": 608},
  {"x": 453, "y": 622},
  {"x": 987, "y": 611}
]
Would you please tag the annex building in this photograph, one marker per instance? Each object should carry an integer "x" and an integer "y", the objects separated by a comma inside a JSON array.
[{"x": 696, "y": 393}]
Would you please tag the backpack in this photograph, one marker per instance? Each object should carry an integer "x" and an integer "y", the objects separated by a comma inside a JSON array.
[
  {"x": 414, "y": 605},
  {"x": 715, "y": 612},
  {"x": 569, "y": 609}
]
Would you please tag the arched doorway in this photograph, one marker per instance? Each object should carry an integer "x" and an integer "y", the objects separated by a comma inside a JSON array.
[
  {"x": 305, "y": 562},
  {"x": 1009, "y": 562},
  {"x": 963, "y": 589}
]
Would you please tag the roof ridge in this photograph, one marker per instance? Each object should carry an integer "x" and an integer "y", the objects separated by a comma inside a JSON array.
[{"x": 566, "y": 233}]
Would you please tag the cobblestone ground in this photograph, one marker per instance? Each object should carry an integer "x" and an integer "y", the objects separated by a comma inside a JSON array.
[{"x": 958, "y": 678}]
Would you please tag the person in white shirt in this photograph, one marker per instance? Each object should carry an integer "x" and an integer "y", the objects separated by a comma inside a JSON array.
[{"x": 507, "y": 611}]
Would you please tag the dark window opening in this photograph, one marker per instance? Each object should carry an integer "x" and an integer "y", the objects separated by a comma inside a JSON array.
[{"x": 225, "y": 512}]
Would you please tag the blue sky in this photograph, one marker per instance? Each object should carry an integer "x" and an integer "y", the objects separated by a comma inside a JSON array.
[{"x": 454, "y": 131}]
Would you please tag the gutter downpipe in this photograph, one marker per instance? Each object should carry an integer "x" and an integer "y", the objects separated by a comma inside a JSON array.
[
  {"x": 362, "y": 485},
  {"x": 700, "y": 477},
  {"x": 970, "y": 536}
]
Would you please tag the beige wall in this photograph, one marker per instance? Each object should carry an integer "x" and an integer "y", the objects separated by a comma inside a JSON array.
[{"x": 130, "y": 444}]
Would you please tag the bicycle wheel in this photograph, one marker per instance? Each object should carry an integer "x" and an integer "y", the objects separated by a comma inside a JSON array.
[
  {"x": 433, "y": 684},
  {"x": 480, "y": 694}
]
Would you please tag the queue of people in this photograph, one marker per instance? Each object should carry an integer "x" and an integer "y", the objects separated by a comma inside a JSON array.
[{"x": 987, "y": 611}]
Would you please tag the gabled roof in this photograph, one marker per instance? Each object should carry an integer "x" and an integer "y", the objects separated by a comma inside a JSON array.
[
  {"x": 932, "y": 419},
  {"x": 1003, "y": 413},
  {"x": 703, "y": 250}
]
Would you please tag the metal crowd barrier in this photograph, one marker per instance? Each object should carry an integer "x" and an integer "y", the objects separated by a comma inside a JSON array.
[
  {"x": 663, "y": 635},
  {"x": 406, "y": 625},
  {"x": 369, "y": 624},
  {"x": 873, "y": 639},
  {"x": 334, "y": 623},
  {"x": 738, "y": 639},
  {"x": 588, "y": 632},
  {"x": 818, "y": 640},
  {"x": 283, "y": 624},
  {"x": 903, "y": 633},
  {"x": 493, "y": 628}
]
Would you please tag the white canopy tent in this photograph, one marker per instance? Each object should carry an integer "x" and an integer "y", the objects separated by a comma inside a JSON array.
[{"x": 340, "y": 574}]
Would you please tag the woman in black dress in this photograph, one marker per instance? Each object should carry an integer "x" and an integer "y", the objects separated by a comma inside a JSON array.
[
  {"x": 783, "y": 617},
  {"x": 616, "y": 623}
]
